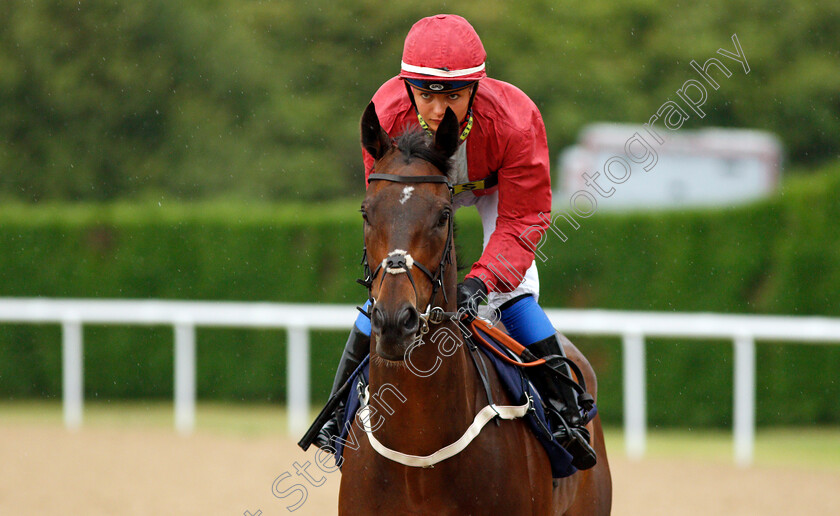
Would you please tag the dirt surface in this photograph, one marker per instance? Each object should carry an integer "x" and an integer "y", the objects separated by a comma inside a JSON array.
[{"x": 46, "y": 470}]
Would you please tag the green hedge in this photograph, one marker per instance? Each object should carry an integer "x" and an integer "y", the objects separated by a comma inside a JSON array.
[{"x": 778, "y": 256}]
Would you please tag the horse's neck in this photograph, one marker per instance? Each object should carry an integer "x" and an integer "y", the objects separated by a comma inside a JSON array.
[{"x": 440, "y": 394}]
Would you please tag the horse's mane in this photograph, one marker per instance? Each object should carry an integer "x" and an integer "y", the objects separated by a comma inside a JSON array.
[{"x": 415, "y": 143}]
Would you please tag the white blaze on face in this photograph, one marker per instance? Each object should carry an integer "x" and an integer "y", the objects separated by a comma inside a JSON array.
[{"x": 406, "y": 194}]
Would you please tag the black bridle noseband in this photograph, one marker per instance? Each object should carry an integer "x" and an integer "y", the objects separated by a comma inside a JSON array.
[{"x": 399, "y": 261}]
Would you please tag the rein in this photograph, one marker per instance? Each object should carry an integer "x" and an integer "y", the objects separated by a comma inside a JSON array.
[
  {"x": 519, "y": 350},
  {"x": 504, "y": 339}
]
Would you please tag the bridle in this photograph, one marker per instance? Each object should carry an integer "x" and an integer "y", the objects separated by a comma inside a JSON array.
[{"x": 399, "y": 261}]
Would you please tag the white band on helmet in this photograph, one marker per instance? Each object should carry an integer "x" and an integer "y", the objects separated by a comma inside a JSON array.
[{"x": 437, "y": 72}]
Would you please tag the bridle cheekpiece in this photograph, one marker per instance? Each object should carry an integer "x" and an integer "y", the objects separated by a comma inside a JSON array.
[{"x": 400, "y": 261}]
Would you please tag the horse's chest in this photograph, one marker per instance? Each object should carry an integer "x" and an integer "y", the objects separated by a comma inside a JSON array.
[{"x": 491, "y": 476}]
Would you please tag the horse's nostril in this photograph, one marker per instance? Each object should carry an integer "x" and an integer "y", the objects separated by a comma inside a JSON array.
[
  {"x": 410, "y": 319},
  {"x": 377, "y": 320}
]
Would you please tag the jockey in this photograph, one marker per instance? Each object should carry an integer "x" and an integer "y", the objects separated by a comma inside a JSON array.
[{"x": 504, "y": 157}]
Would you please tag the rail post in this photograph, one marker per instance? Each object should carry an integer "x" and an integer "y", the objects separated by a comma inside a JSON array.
[
  {"x": 635, "y": 403},
  {"x": 72, "y": 366},
  {"x": 184, "y": 376},
  {"x": 744, "y": 402},
  {"x": 297, "y": 394}
]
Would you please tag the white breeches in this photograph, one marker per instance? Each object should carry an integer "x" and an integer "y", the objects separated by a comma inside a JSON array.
[{"x": 487, "y": 206}]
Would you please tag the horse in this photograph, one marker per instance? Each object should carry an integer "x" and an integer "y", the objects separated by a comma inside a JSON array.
[{"x": 428, "y": 389}]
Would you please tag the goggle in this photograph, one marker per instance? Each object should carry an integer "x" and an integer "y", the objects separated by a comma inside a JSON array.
[{"x": 438, "y": 86}]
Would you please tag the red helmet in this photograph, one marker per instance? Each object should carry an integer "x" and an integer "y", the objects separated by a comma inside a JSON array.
[{"x": 442, "y": 53}]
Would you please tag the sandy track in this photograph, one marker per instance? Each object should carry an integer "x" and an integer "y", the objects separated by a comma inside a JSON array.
[{"x": 46, "y": 470}]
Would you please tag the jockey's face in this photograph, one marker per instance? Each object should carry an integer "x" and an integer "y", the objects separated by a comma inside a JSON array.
[{"x": 432, "y": 106}]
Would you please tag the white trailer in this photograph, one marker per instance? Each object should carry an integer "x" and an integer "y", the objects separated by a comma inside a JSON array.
[{"x": 693, "y": 168}]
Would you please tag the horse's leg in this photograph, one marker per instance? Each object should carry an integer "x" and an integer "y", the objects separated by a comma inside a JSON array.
[{"x": 594, "y": 493}]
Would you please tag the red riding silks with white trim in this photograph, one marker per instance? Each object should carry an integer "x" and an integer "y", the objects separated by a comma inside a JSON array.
[{"x": 507, "y": 137}]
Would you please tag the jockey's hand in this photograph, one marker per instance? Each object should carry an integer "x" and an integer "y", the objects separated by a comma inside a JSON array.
[{"x": 471, "y": 293}]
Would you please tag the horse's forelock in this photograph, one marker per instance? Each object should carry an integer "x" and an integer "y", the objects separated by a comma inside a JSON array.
[{"x": 414, "y": 143}]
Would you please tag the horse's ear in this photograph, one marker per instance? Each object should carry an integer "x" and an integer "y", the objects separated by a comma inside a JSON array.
[
  {"x": 374, "y": 139},
  {"x": 447, "y": 134}
]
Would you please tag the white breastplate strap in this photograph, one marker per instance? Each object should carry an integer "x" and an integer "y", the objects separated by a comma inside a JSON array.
[{"x": 486, "y": 414}]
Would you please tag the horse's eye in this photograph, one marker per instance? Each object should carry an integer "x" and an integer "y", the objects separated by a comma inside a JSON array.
[
  {"x": 364, "y": 216},
  {"x": 444, "y": 218}
]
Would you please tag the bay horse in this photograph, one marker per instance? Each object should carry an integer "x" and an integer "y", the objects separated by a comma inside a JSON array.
[{"x": 504, "y": 470}]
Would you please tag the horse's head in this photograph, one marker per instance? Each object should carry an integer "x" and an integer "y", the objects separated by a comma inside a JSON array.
[{"x": 408, "y": 229}]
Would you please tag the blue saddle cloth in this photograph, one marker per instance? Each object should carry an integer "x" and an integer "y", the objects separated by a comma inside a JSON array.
[{"x": 518, "y": 389}]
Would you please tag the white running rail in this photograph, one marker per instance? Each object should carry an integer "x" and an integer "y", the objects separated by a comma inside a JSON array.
[{"x": 298, "y": 319}]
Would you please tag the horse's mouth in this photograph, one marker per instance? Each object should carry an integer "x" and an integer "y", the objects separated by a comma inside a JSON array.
[
  {"x": 376, "y": 358},
  {"x": 391, "y": 351}
]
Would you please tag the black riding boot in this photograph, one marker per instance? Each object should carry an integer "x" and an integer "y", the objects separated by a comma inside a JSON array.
[
  {"x": 356, "y": 349},
  {"x": 564, "y": 413}
]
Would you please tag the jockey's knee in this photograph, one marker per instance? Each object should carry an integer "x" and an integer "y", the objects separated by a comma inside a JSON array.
[{"x": 525, "y": 320}]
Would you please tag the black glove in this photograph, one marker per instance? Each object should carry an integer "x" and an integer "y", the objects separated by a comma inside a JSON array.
[{"x": 471, "y": 293}]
